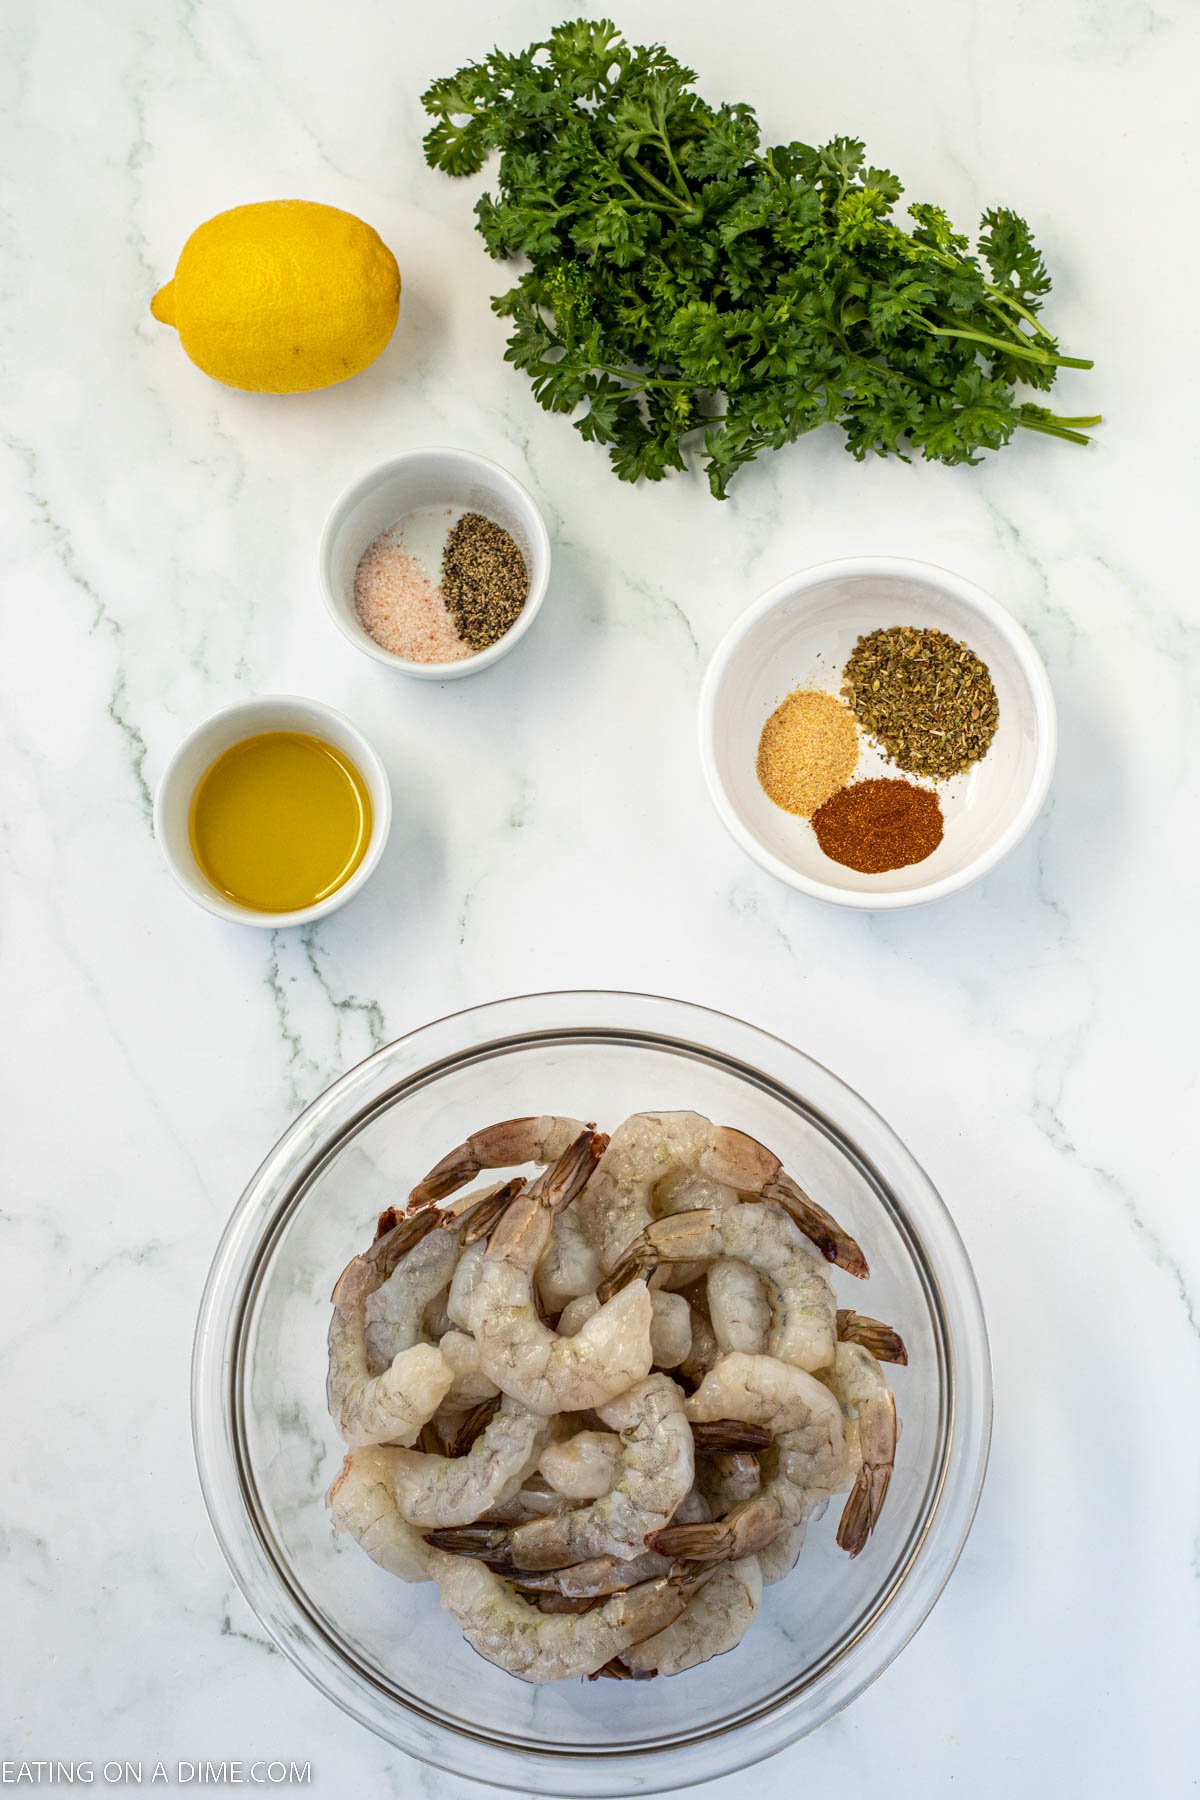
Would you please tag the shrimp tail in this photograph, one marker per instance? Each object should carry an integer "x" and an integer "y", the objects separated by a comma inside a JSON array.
[
  {"x": 818, "y": 1226},
  {"x": 558, "y": 1185},
  {"x": 486, "y": 1149},
  {"x": 698, "y": 1543},
  {"x": 638, "y": 1264},
  {"x": 884, "y": 1344},
  {"x": 490, "y": 1544},
  {"x": 719, "y": 1435},
  {"x": 479, "y": 1220},
  {"x": 861, "y": 1512}
]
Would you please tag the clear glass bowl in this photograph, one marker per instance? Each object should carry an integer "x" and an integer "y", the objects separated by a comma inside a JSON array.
[{"x": 267, "y": 1452}]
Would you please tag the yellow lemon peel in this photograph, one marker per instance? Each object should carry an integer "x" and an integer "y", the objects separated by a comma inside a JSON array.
[{"x": 282, "y": 296}]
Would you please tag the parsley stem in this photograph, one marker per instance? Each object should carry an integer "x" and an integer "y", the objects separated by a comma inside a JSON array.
[
  {"x": 1054, "y": 426},
  {"x": 1029, "y": 352},
  {"x": 678, "y": 204}
]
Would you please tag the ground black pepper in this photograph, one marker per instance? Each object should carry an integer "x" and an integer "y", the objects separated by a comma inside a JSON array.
[
  {"x": 873, "y": 826},
  {"x": 484, "y": 580}
]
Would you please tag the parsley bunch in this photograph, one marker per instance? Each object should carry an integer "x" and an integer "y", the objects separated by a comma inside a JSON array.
[{"x": 686, "y": 285}]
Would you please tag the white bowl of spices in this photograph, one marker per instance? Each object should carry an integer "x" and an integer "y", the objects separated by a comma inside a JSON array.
[
  {"x": 877, "y": 732},
  {"x": 435, "y": 563}
]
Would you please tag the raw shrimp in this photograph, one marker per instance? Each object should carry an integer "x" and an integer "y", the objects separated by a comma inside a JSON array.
[
  {"x": 670, "y": 1329},
  {"x": 362, "y": 1503},
  {"x": 460, "y": 1299},
  {"x": 810, "y": 1456},
  {"x": 536, "y": 1500},
  {"x": 857, "y": 1382},
  {"x": 670, "y": 1324},
  {"x": 618, "y": 1202},
  {"x": 537, "y": 1646},
  {"x": 394, "y": 1313},
  {"x": 657, "y": 1472},
  {"x": 716, "y": 1619},
  {"x": 738, "y": 1307},
  {"x": 569, "y": 1266},
  {"x": 523, "y": 1356},
  {"x": 438, "y": 1491},
  {"x": 389, "y": 1401},
  {"x": 503, "y": 1146},
  {"x": 582, "y": 1467},
  {"x": 389, "y": 1407},
  {"x": 599, "y": 1576},
  {"x": 410, "y": 1264},
  {"x": 470, "y": 1385},
  {"x": 497, "y": 1622},
  {"x": 729, "y": 1479},
  {"x": 803, "y": 1310},
  {"x": 611, "y": 1574},
  {"x": 685, "y": 1191},
  {"x": 780, "y": 1557},
  {"x": 436, "y": 1320},
  {"x": 576, "y": 1313}
]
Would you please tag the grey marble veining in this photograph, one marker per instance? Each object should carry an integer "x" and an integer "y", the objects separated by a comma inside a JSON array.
[{"x": 1032, "y": 1039}]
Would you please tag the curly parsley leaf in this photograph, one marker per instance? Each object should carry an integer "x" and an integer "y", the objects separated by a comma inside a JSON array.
[{"x": 689, "y": 289}]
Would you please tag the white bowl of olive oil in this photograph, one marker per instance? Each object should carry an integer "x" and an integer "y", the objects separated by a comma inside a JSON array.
[{"x": 273, "y": 812}]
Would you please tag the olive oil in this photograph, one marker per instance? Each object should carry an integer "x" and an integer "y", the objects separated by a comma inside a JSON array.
[{"x": 280, "y": 821}]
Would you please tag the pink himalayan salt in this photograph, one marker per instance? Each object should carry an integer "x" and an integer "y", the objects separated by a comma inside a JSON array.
[{"x": 400, "y": 607}]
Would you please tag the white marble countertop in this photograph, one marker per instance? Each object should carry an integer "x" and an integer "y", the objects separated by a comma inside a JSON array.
[{"x": 1032, "y": 1039}]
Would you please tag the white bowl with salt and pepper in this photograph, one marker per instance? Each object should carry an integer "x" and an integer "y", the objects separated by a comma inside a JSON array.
[
  {"x": 415, "y": 487},
  {"x": 799, "y": 635}
]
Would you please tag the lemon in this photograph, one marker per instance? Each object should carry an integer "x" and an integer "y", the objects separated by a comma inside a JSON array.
[{"x": 282, "y": 296}]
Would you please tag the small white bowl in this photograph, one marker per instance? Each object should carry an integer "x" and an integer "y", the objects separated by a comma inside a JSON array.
[
  {"x": 274, "y": 712},
  {"x": 384, "y": 496},
  {"x": 800, "y": 634}
]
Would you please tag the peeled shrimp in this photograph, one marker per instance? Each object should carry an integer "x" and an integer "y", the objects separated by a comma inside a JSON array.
[
  {"x": 810, "y": 1456},
  {"x": 802, "y": 1306},
  {"x": 460, "y": 1299},
  {"x": 497, "y": 1622},
  {"x": 389, "y": 1407},
  {"x": 618, "y": 1202},
  {"x": 716, "y": 1619},
  {"x": 438, "y": 1491},
  {"x": 738, "y": 1307},
  {"x": 362, "y": 1503},
  {"x": 582, "y": 1467},
  {"x": 780, "y": 1556},
  {"x": 670, "y": 1324},
  {"x": 537, "y": 1646},
  {"x": 729, "y": 1479},
  {"x": 670, "y": 1329},
  {"x": 857, "y": 1382},
  {"x": 503, "y": 1146},
  {"x": 656, "y": 1474},
  {"x": 380, "y": 1399},
  {"x": 569, "y": 1265},
  {"x": 394, "y": 1313},
  {"x": 470, "y": 1385},
  {"x": 523, "y": 1356},
  {"x": 611, "y": 1574}
]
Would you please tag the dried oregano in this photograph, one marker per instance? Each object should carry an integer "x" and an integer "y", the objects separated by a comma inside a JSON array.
[{"x": 927, "y": 699}]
